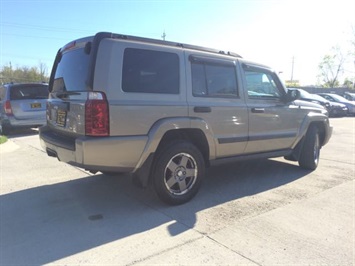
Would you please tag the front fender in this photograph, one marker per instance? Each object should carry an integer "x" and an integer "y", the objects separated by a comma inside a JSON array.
[{"x": 312, "y": 118}]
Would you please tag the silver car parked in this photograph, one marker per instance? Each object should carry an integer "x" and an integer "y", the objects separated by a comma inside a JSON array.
[
  {"x": 164, "y": 111},
  {"x": 22, "y": 105}
]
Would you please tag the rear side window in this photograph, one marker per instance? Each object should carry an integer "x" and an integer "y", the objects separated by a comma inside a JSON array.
[
  {"x": 28, "y": 92},
  {"x": 213, "y": 80},
  {"x": 150, "y": 71},
  {"x": 72, "y": 71}
]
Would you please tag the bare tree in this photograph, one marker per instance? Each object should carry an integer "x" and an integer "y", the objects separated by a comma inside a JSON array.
[
  {"x": 8, "y": 73},
  {"x": 332, "y": 67},
  {"x": 42, "y": 67}
]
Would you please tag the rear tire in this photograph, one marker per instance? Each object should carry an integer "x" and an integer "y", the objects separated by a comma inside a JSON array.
[
  {"x": 178, "y": 172},
  {"x": 109, "y": 173},
  {"x": 309, "y": 157},
  {"x": 4, "y": 130}
]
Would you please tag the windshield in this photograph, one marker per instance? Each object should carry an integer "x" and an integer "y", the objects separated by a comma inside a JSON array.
[
  {"x": 71, "y": 72},
  {"x": 338, "y": 98},
  {"x": 317, "y": 97},
  {"x": 304, "y": 94}
]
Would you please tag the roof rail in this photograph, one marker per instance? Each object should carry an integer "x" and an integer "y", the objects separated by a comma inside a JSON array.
[{"x": 166, "y": 43}]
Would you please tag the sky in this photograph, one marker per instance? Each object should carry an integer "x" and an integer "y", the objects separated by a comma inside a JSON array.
[{"x": 278, "y": 33}]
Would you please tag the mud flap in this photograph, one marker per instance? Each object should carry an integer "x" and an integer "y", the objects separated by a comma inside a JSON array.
[{"x": 140, "y": 177}]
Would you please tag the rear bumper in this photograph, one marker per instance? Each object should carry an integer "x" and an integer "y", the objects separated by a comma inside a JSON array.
[
  {"x": 11, "y": 121},
  {"x": 118, "y": 154}
]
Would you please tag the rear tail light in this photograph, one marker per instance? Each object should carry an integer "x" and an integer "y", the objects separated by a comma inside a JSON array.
[
  {"x": 48, "y": 111},
  {"x": 7, "y": 108},
  {"x": 96, "y": 115}
]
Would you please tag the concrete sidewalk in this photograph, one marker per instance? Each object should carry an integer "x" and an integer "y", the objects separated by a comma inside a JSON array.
[
  {"x": 267, "y": 212},
  {"x": 316, "y": 231}
]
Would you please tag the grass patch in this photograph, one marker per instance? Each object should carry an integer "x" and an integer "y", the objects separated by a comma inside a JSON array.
[{"x": 3, "y": 139}]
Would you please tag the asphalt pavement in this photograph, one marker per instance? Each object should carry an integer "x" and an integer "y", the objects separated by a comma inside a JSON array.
[{"x": 261, "y": 212}]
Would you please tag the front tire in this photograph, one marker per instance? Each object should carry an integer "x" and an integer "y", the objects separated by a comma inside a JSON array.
[
  {"x": 178, "y": 172},
  {"x": 309, "y": 157}
]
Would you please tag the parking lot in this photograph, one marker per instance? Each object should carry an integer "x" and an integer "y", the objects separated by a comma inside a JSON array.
[{"x": 261, "y": 212}]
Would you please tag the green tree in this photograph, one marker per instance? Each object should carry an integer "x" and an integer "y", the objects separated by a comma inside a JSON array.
[
  {"x": 348, "y": 83},
  {"x": 23, "y": 74},
  {"x": 332, "y": 67}
]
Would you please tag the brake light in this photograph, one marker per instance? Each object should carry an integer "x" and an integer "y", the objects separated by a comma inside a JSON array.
[
  {"x": 96, "y": 115},
  {"x": 7, "y": 108},
  {"x": 69, "y": 46}
]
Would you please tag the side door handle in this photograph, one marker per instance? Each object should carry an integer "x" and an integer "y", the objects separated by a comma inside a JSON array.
[
  {"x": 258, "y": 110},
  {"x": 202, "y": 109}
]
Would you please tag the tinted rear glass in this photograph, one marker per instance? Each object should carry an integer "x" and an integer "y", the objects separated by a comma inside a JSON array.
[
  {"x": 210, "y": 80},
  {"x": 28, "y": 92},
  {"x": 150, "y": 71},
  {"x": 71, "y": 72}
]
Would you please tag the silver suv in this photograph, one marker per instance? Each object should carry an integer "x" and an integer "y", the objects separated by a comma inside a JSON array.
[
  {"x": 163, "y": 111},
  {"x": 22, "y": 105}
]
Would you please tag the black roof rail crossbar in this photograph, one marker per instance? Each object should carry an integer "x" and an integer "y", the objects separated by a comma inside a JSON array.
[{"x": 101, "y": 35}]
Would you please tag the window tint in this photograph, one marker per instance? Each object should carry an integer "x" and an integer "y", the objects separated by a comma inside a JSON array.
[
  {"x": 209, "y": 80},
  {"x": 150, "y": 71},
  {"x": 28, "y": 92},
  {"x": 72, "y": 71},
  {"x": 261, "y": 84}
]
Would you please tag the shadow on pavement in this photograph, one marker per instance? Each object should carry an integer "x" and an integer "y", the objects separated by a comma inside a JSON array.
[
  {"x": 15, "y": 133},
  {"x": 43, "y": 224}
]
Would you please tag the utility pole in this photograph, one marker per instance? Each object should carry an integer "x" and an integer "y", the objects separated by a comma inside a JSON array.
[
  {"x": 293, "y": 63},
  {"x": 163, "y": 36}
]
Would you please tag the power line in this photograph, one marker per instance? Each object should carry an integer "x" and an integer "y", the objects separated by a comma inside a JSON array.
[
  {"x": 58, "y": 29},
  {"x": 293, "y": 64},
  {"x": 41, "y": 27},
  {"x": 26, "y": 56},
  {"x": 32, "y": 36}
]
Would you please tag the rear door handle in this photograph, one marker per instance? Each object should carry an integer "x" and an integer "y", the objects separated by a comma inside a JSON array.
[
  {"x": 202, "y": 109},
  {"x": 258, "y": 110}
]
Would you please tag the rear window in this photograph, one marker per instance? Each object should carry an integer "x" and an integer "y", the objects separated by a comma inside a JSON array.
[
  {"x": 150, "y": 71},
  {"x": 212, "y": 80},
  {"x": 28, "y": 92},
  {"x": 71, "y": 72}
]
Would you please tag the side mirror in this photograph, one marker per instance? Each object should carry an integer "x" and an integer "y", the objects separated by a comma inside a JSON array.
[{"x": 292, "y": 95}]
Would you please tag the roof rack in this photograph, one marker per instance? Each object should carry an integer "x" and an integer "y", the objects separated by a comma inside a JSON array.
[{"x": 167, "y": 43}]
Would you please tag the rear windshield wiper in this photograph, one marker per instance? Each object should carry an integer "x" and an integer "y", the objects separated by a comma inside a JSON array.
[{"x": 66, "y": 93}]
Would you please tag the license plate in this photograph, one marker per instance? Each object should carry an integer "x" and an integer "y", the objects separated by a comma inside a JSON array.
[
  {"x": 36, "y": 105},
  {"x": 61, "y": 118}
]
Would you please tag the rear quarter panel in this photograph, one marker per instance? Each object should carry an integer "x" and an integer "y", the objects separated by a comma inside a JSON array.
[{"x": 135, "y": 113}]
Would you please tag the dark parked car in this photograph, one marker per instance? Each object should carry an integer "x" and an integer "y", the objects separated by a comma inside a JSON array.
[
  {"x": 349, "y": 96},
  {"x": 309, "y": 97},
  {"x": 334, "y": 109},
  {"x": 339, "y": 99},
  {"x": 22, "y": 105},
  {"x": 337, "y": 109}
]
